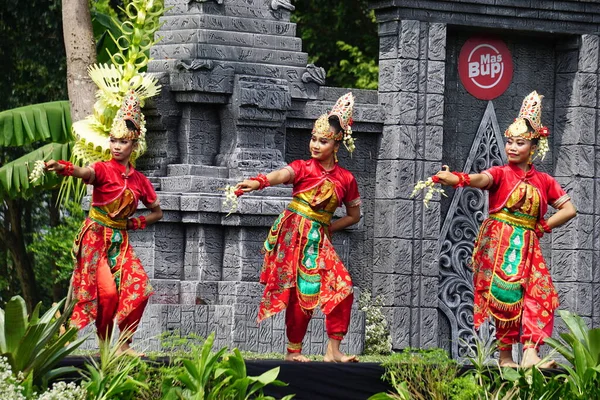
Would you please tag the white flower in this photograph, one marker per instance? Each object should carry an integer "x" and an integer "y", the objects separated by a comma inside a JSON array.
[
  {"x": 430, "y": 190},
  {"x": 38, "y": 171},
  {"x": 231, "y": 199},
  {"x": 64, "y": 391}
]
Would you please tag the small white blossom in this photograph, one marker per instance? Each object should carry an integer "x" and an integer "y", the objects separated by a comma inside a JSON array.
[
  {"x": 430, "y": 189},
  {"x": 64, "y": 391},
  {"x": 231, "y": 199},
  {"x": 10, "y": 388},
  {"x": 38, "y": 171},
  {"x": 542, "y": 149}
]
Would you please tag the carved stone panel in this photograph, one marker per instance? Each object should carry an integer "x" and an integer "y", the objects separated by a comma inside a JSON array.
[{"x": 468, "y": 209}]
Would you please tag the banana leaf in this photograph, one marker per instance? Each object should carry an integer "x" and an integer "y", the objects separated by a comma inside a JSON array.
[
  {"x": 14, "y": 176},
  {"x": 105, "y": 45},
  {"x": 44, "y": 122}
]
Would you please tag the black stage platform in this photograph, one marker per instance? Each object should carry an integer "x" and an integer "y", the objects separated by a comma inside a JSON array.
[{"x": 309, "y": 381}]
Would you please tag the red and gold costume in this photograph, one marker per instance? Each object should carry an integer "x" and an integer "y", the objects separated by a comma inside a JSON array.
[
  {"x": 109, "y": 281},
  {"x": 511, "y": 278},
  {"x": 301, "y": 269}
]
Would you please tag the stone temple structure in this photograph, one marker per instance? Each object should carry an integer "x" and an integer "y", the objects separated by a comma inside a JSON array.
[{"x": 239, "y": 98}]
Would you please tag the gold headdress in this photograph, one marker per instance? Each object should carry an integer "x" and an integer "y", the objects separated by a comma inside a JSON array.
[
  {"x": 322, "y": 128},
  {"x": 531, "y": 111},
  {"x": 129, "y": 111},
  {"x": 343, "y": 109}
]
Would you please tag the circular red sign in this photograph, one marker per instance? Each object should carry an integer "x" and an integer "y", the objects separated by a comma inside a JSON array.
[{"x": 485, "y": 67}]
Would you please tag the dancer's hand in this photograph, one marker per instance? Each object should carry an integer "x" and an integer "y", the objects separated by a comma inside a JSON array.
[
  {"x": 445, "y": 177},
  {"x": 53, "y": 165},
  {"x": 248, "y": 185}
]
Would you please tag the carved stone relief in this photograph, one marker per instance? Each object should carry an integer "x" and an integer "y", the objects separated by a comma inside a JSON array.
[{"x": 468, "y": 209}]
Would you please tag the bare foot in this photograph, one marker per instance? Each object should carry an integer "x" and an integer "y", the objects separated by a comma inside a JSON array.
[
  {"x": 508, "y": 364},
  {"x": 506, "y": 360},
  {"x": 297, "y": 357},
  {"x": 125, "y": 349},
  {"x": 333, "y": 353},
  {"x": 531, "y": 358},
  {"x": 343, "y": 358}
]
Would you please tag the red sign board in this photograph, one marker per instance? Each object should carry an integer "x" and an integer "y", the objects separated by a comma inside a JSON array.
[{"x": 485, "y": 67}]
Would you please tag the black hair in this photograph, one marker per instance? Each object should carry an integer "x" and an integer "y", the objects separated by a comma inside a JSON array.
[
  {"x": 534, "y": 141},
  {"x": 131, "y": 125},
  {"x": 334, "y": 121}
]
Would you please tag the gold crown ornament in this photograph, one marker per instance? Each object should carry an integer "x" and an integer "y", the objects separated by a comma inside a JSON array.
[
  {"x": 321, "y": 128},
  {"x": 531, "y": 111},
  {"x": 343, "y": 109},
  {"x": 130, "y": 110}
]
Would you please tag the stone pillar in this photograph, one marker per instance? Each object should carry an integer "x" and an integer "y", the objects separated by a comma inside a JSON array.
[
  {"x": 575, "y": 246},
  {"x": 411, "y": 88},
  {"x": 253, "y": 124}
]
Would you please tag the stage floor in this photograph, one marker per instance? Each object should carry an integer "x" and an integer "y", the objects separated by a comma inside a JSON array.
[{"x": 309, "y": 381}]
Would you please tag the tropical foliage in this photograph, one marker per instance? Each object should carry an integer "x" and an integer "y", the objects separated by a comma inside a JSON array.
[
  {"x": 30, "y": 344},
  {"x": 351, "y": 49},
  {"x": 211, "y": 375},
  {"x": 431, "y": 374},
  {"x": 580, "y": 346}
]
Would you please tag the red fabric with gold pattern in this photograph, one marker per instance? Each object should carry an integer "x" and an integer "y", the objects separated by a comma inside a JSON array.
[
  {"x": 509, "y": 268},
  {"x": 298, "y": 250},
  {"x": 282, "y": 263},
  {"x": 95, "y": 245},
  {"x": 101, "y": 241}
]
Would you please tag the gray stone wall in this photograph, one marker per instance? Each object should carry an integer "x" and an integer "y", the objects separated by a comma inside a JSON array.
[
  {"x": 411, "y": 90},
  {"x": 238, "y": 98}
]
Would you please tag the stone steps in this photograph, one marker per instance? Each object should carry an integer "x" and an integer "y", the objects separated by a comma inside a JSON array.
[
  {"x": 230, "y": 8},
  {"x": 211, "y": 185},
  {"x": 197, "y": 170},
  {"x": 226, "y": 38},
  {"x": 228, "y": 53},
  {"x": 227, "y": 23}
]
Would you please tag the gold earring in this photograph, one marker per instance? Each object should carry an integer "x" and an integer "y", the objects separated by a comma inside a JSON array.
[
  {"x": 335, "y": 156},
  {"x": 530, "y": 161}
]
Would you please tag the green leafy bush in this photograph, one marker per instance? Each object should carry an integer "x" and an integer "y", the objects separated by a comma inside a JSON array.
[
  {"x": 378, "y": 339},
  {"x": 580, "y": 346},
  {"x": 425, "y": 374},
  {"x": 30, "y": 343},
  {"x": 208, "y": 376}
]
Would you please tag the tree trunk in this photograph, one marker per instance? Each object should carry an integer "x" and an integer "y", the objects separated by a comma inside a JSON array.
[
  {"x": 81, "y": 53},
  {"x": 15, "y": 242}
]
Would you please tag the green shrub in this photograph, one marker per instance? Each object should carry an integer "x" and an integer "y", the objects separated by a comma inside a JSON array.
[{"x": 378, "y": 339}]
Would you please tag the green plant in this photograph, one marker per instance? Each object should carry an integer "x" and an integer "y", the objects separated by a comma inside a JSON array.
[
  {"x": 52, "y": 248},
  {"x": 580, "y": 346},
  {"x": 117, "y": 375},
  {"x": 176, "y": 345},
  {"x": 378, "y": 339},
  {"x": 425, "y": 374},
  {"x": 26, "y": 341},
  {"x": 209, "y": 376}
]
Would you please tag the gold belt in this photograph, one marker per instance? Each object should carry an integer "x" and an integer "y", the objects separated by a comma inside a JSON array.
[
  {"x": 301, "y": 207},
  {"x": 102, "y": 218},
  {"x": 515, "y": 219}
]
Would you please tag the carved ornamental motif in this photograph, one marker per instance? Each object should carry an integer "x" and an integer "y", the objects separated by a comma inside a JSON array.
[
  {"x": 314, "y": 74},
  {"x": 468, "y": 209}
]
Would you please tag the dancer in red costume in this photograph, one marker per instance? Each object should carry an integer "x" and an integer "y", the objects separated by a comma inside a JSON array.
[
  {"x": 511, "y": 279},
  {"x": 301, "y": 269},
  {"x": 109, "y": 281}
]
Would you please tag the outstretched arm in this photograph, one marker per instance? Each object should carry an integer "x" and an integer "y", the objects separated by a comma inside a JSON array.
[
  {"x": 450, "y": 179},
  {"x": 78, "y": 172},
  {"x": 352, "y": 217},
  {"x": 274, "y": 177}
]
